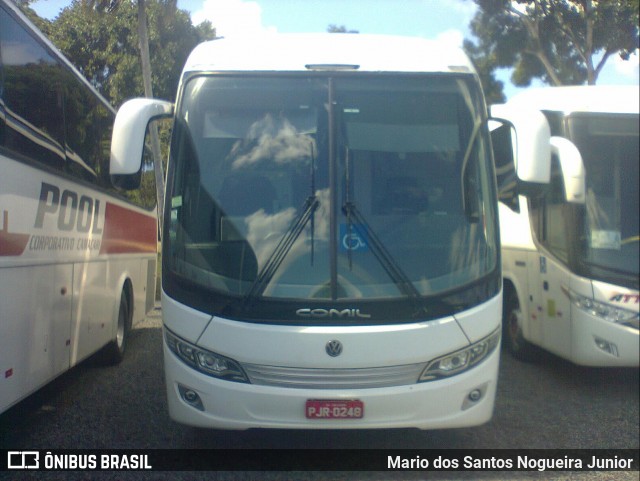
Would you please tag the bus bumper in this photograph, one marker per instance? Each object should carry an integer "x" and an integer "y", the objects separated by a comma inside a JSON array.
[
  {"x": 596, "y": 342},
  {"x": 446, "y": 403}
]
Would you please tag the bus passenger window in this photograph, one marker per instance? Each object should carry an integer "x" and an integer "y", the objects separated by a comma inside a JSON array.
[{"x": 32, "y": 105}]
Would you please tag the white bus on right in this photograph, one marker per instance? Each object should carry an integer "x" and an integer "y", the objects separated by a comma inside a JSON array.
[{"x": 570, "y": 253}]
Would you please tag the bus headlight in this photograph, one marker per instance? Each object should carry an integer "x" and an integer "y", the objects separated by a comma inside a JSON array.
[
  {"x": 461, "y": 360},
  {"x": 206, "y": 362},
  {"x": 602, "y": 310}
]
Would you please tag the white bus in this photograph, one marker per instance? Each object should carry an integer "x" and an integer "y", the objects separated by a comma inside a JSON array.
[
  {"x": 331, "y": 256},
  {"x": 570, "y": 256},
  {"x": 77, "y": 256}
]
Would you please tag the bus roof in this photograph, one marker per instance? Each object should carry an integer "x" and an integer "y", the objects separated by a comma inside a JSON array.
[
  {"x": 334, "y": 52},
  {"x": 621, "y": 99}
]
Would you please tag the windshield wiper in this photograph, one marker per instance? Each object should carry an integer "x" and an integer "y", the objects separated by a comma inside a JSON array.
[
  {"x": 284, "y": 246},
  {"x": 282, "y": 249},
  {"x": 381, "y": 253}
]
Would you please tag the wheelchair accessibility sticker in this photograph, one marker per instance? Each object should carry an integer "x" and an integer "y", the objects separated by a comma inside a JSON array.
[{"x": 353, "y": 238}]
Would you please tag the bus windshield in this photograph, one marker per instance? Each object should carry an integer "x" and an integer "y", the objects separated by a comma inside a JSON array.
[
  {"x": 609, "y": 147},
  {"x": 331, "y": 189}
]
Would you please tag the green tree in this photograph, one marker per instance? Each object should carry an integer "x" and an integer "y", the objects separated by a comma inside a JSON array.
[
  {"x": 100, "y": 37},
  {"x": 485, "y": 66},
  {"x": 42, "y": 23},
  {"x": 339, "y": 29},
  {"x": 561, "y": 42},
  {"x": 129, "y": 49}
]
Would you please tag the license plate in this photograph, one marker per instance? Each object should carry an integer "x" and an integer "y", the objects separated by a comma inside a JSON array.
[{"x": 334, "y": 409}]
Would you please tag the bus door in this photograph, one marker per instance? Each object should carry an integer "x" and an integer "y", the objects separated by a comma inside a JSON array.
[
  {"x": 554, "y": 309},
  {"x": 550, "y": 215},
  {"x": 531, "y": 301}
]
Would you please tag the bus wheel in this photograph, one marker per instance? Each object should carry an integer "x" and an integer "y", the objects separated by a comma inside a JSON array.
[
  {"x": 512, "y": 336},
  {"x": 113, "y": 352}
]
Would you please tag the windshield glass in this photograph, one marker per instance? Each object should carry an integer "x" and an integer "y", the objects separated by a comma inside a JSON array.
[
  {"x": 414, "y": 188},
  {"x": 609, "y": 148},
  {"x": 330, "y": 189}
]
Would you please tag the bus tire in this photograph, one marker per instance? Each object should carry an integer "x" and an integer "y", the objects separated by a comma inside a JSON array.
[
  {"x": 113, "y": 353},
  {"x": 513, "y": 340}
]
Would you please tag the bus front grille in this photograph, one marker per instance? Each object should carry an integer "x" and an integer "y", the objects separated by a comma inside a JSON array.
[{"x": 309, "y": 378}]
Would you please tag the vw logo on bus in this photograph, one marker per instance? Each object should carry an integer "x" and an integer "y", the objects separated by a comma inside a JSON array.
[{"x": 333, "y": 348}]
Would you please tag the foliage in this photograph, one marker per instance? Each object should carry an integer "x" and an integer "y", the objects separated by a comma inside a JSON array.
[
  {"x": 42, "y": 23},
  {"x": 100, "y": 37},
  {"x": 485, "y": 66},
  {"x": 561, "y": 42},
  {"x": 339, "y": 29}
]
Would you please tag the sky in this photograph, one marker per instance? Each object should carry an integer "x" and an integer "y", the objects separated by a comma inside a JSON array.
[{"x": 444, "y": 20}]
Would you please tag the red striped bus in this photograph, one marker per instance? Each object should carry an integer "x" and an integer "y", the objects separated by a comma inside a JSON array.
[{"x": 77, "y": 254}]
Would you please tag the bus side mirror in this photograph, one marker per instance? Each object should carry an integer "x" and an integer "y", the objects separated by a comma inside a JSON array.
[
  {"x": 529, "y": 142},
  {"x": 522, "y": 152},
  {"x": 503, "y": 154},
  {"x": 573, "y": 174},
  {"x": 127, "y": 141}
]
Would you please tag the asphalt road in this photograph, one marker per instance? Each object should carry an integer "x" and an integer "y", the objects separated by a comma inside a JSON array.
[{"x": 550, "y": 404}]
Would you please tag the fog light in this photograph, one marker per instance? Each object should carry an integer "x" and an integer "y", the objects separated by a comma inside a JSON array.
[
  {"x": 475, "y": 396},
  {"x": 190, "y": 397},
  {"x": 606, "y": 346}
]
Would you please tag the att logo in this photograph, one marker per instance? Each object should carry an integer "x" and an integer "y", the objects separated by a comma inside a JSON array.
[{"x": 625, "y": 298}]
